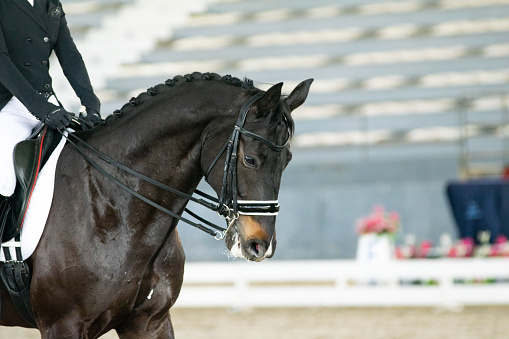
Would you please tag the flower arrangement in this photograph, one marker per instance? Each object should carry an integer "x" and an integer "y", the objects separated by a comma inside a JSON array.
[
  {"x": 466, "y": 247},
  {"x": 500, "y": 248},
  {"x": 379, "y": 222},
  {"x": 462, "y": 248}
]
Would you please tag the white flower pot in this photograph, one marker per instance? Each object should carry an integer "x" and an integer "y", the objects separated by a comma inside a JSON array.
[{"x": 375, "y": 247}]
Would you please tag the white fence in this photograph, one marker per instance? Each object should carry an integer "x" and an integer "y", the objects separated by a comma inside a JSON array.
[{"x": 454, "y": 282}]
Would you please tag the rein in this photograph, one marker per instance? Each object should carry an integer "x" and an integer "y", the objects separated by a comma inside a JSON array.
[
  {"x": 215, "y": 207},
  {"x": 227, "y": 206}
]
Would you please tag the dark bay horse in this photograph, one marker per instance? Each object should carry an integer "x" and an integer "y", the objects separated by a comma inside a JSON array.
[{"x": 108, "y": 260}]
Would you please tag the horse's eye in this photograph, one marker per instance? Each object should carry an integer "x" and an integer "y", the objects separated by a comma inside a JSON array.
[{"x": 249, "y": 160}]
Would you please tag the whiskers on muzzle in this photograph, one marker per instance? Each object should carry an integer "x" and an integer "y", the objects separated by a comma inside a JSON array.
[{"x": 250, "y": 241}]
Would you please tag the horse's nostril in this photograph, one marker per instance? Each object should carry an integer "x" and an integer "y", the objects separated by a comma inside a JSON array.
[{"x": 256, "y": 248}]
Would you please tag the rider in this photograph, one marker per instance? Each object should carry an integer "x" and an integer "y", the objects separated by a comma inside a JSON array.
[{"x": 29, "y": 31}]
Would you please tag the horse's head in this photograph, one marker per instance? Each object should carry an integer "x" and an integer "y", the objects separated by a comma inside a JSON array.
[{"x": 260, "y": 153}]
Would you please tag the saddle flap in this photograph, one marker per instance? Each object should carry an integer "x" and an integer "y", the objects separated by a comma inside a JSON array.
[
  {"x": 29, "y": 157},
  {"x": 26, "y": 158}
]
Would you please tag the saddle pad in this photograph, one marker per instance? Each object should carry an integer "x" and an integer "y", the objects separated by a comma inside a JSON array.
[{"x": 38, "y": 210}]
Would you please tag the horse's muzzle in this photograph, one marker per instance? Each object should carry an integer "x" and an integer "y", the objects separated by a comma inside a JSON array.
[{"x": 249, "y": 240}]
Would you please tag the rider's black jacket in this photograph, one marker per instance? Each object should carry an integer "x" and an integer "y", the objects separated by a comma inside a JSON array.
[{"x": 28, "y": 36}]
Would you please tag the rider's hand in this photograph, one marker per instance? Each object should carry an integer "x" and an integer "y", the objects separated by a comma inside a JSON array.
[
  {"x": 91, "y": 118},
  {"x": 58, "y": 118}
]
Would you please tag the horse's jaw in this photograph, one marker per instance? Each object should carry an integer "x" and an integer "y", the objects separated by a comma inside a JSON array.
[{"x": 248, "y": 247}]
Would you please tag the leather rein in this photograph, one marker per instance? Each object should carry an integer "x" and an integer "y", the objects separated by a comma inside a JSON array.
[{"x": 228, "y": 206}]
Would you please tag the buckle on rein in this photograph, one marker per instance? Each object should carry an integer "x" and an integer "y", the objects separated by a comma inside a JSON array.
[{"x": 246, "y": 207}]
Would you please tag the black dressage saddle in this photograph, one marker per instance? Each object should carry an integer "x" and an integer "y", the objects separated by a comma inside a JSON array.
[{"x": 30, "y": 155}]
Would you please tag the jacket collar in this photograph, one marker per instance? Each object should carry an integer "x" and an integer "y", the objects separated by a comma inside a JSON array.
[{"x": 30, "y": 10}]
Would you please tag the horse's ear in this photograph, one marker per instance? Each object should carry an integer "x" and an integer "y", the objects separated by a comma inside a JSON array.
[
  {"x": 299, "y": 94},
  {"x": 269, "y": 100}
]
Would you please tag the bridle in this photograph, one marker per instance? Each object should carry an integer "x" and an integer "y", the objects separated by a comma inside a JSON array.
[{"x": 228, "y": 206}]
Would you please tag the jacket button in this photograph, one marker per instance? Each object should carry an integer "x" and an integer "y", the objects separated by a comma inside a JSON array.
[
  {"x": 45, "y": 63},
  {"x": 47, "y": 86},
  {"x": 27, "y": 64},
  {"x": 29, "y": 40},
  {"x": 46, "y": 39}
]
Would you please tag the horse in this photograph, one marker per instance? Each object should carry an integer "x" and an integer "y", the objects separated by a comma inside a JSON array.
[{"x": 107, "y": 260}]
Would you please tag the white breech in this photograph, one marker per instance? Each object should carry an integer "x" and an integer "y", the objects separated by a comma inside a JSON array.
[{"x": 16, "y": 124}]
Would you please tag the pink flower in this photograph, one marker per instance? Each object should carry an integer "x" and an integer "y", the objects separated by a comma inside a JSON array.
[
  {"x": 378, "y": 222},
  {"x": 501, "y": 239},
  {"x": 425, "y": 248},
  {"x": 464, "y": 248}
]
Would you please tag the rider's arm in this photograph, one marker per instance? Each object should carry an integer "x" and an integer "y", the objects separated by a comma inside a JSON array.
[
  {"x": 15, "y": 82},
  {"x": 73, "y": 66}
]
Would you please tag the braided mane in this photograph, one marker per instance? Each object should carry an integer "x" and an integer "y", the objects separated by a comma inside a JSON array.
[
  {"x": 177, "y": 80},
  {"x": 180, "y": 79}
]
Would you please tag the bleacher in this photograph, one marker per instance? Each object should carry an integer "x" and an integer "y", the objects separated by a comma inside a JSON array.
[
  {"x": 383, "y": 123},
  {"x": 89, "y": 14}
]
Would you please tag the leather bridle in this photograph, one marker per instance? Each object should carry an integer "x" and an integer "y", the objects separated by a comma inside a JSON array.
[
  {"x": 228, "y": 206},
  {"x": 267, "y": 207}
]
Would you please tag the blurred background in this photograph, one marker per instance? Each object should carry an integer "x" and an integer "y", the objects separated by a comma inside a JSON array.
[
  {"x": 409, "y": 96},
  {"x": 406, "y": 125}
]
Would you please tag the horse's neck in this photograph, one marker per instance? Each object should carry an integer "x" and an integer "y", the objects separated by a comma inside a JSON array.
[{"x": 162, "y": 139}]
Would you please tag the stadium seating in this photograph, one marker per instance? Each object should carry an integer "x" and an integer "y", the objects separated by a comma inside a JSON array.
[{"x": 406, "y": 95}]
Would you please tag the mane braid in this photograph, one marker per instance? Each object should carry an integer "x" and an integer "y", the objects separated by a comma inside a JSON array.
[{"x": 177, "y": 80}]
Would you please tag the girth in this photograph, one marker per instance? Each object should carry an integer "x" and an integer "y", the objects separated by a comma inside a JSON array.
[{"x": 30, "y": 155}]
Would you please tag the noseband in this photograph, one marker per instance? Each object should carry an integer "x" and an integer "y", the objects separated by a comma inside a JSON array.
[{"x": 230, "y": 205}]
